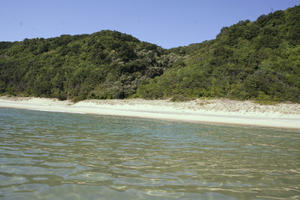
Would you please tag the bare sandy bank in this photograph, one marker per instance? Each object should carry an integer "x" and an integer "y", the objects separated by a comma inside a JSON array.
[{"x": 210, "y": 111}]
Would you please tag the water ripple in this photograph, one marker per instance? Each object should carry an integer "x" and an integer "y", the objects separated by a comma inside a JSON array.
[{"x": 68, "y": 156}]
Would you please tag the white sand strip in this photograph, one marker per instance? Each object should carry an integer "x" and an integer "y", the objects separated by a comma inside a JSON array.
[{"x": 209, "y": 111}]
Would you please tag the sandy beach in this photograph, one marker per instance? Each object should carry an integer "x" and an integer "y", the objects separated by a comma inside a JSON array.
[{"x": 222, "y": 111}]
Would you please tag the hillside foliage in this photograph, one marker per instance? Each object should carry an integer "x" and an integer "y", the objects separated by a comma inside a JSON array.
[
  {"x": 103, "y": 65},
  {"x": 257, "y": 60}
]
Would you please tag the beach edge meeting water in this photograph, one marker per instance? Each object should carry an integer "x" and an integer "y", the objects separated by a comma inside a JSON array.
[{"x": 222, "y": 111}]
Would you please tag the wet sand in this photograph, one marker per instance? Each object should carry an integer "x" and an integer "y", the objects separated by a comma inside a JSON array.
[{"x": 224, "y": 111}]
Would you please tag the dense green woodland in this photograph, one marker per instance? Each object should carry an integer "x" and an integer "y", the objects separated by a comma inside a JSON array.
[{"x": 257, "y": 60}]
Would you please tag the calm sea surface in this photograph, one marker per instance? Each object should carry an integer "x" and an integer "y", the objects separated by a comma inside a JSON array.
[{"x": 47, "y": 155}]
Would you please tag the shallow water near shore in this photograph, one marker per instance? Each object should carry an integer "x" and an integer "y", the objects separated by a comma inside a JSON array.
[{"x": 46, "y": 155}]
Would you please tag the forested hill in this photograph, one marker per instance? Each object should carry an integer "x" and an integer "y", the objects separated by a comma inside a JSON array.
[
  {"x": 249, "y": 60},
  {"x": 106, "y": 64}
]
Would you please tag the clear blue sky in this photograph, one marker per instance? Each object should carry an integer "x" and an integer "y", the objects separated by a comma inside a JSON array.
[{"x": 168, "y": 23}]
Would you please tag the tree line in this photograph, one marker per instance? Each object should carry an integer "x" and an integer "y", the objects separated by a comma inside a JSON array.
[{"x": 257, "y": 60}]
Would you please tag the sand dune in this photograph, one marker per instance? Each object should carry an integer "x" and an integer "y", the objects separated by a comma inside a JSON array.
[{"x": 223, "y": 111}]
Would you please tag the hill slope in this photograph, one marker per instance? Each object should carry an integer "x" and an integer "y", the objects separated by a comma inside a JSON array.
[
  {"x": 106, "y": 64},
  {"x": 249, "y": 60}
]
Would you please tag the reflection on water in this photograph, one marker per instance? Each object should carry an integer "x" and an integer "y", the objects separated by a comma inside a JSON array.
[{"x": 70, "y": 156}]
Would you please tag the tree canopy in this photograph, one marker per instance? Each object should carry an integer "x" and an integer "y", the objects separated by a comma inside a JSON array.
[{"x": 249, "y": 60}]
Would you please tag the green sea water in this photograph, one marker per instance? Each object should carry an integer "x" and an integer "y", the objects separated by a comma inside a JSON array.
[{"x": 46, "y": 155}]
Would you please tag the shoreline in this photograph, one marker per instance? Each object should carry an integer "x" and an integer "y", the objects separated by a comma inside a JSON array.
[{"x": 217, "y": 111}]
